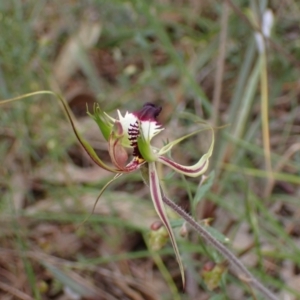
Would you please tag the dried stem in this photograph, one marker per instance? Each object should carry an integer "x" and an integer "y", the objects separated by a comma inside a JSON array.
[{"x": 235, "y": 263}]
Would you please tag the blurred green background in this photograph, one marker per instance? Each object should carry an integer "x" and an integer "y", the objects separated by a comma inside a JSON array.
[{"x": 190, "y": 56}]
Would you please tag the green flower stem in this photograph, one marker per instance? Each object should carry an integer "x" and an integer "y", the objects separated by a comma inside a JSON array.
[{"x": 236, "y": 264}]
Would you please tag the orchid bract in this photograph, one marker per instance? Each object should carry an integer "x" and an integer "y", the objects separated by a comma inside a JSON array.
[{"x": 134, "y": 131}]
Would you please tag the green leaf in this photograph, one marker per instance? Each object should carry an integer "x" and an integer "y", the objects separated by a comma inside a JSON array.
[
  {"x": 217, "y": 234},
  {"x": 204, "y": 188}
]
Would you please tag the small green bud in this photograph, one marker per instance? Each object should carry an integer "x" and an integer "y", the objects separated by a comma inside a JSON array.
[
  {"x": 158, "y": 236},
  {"x": 212, "y": 274}
]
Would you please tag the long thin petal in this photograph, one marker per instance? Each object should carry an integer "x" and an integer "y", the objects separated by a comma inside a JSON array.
[
  {"x": 195, "y": 170},
  {"x": 170, "y": 145},
  {"x": 192, "y": 171},
  {"x": 100, "y": 194},
  {"x": 161, "y": 211},
  {"x": 87, "y": 147},
  {"x": 105, "y": 187}
]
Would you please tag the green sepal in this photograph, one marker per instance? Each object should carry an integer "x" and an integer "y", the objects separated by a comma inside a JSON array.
[
  {"x": 170, "y": 145},
  {"x": 103, "y": 120},
  {"x": 145, "y": 148}
]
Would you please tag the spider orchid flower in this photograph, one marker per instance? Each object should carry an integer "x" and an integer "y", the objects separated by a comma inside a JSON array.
[{"x": 134, "y": 132}]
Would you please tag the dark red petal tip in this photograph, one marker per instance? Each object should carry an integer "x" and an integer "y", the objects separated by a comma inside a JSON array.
[{"x": 149, "y": 112}]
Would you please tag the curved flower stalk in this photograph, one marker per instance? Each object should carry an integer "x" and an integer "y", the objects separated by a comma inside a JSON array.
[{"x": 134, "y": 131}]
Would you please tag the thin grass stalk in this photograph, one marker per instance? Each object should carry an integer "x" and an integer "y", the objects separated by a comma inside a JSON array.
[
  {"x": 224, "y": 147},
  {"x": 274, "y": 45},
  {"x": 265, "y": 118},
  {"x": 236, "y": 264},
  {"x": 295, "y": 179}
]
